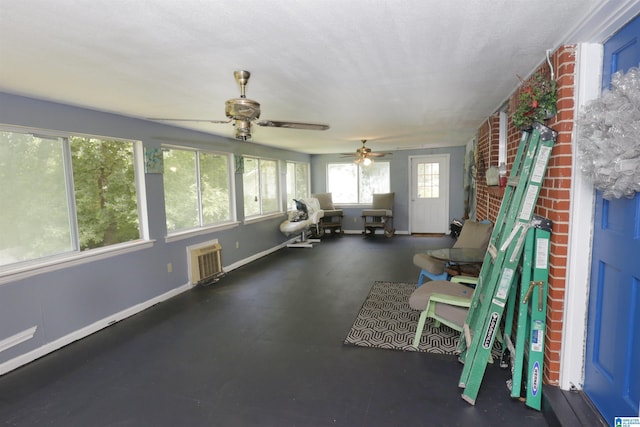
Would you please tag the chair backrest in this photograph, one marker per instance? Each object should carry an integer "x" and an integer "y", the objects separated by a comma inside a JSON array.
[
  {"x": 474, "y": 235},
  {"x": 326, "y": 201},
  {"x": 383, "y": 201}
]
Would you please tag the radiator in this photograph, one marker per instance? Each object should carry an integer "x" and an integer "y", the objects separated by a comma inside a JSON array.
[{"x": 206, "y": 263}]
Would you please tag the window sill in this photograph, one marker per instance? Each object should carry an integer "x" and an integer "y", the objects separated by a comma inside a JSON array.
[
  {"x": 254, "y": 219},
  {"x": 351, "y": 205},
  {"x": 71, "y": 260},
  {"x": 185, "y": 234}
]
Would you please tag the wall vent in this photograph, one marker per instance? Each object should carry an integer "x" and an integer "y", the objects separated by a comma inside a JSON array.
[{"x": 206, "y": 263}]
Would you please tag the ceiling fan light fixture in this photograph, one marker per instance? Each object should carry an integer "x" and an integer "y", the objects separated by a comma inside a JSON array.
[
  {"x": 243, "y": 129},
  {"x": 367, "y": 161}
]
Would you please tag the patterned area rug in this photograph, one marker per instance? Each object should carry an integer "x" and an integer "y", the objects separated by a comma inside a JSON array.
[{"x": 386, "y": 321}]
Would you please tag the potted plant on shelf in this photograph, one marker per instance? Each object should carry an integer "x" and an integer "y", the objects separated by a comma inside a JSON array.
[{"x": 537, "y": 101}]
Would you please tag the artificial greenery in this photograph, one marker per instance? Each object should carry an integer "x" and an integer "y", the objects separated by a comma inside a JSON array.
[{"x": 537, "y": 101}]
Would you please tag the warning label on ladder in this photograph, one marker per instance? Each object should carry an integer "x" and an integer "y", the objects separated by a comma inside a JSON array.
[{"x": 541, "y": 164}]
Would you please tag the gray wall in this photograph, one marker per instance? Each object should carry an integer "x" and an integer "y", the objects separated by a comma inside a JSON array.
[
  {"x": 399, "y": 164},
  {"x": 68, "y": 303},
  {"x": 63, "y": 302}
]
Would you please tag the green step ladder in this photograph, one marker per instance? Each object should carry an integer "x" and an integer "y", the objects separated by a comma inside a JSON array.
[
  {"x": 499, "y": 269},
  {"x": 527, "y": 352}
]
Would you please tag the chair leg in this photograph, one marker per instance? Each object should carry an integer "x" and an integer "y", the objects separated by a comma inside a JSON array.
[
  {"x": 443, "y": 276},
  {"x": 421, "y": 278},
  {"x": 425, "y": 273},
  {"x": 421, "y": 322}
]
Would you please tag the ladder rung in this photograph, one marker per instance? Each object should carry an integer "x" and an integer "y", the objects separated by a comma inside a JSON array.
[
  {"x": 492, "y": 251},
  {"x": 467, "y": 334}
]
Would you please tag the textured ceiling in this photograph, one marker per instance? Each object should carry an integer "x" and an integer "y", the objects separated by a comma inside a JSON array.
[{"x": 400, "y": 73}]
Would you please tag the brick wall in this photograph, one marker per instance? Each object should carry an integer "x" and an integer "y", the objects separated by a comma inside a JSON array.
[
  {"x": 554, "y": 200},
  {"x": 488, "y": 204}
]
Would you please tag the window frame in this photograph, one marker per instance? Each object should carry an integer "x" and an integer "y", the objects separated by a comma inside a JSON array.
[
  {"x": 295, "y": 194},
  {"x": 204, "y": 228},
  {"x": 425, "y": 181},
  {"x": 248, "y": 219},
  {"x": 358, "y": 181},
  {"x": 76, "y": 256}
]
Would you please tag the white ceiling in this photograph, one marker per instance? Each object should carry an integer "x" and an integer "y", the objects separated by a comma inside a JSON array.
[{"x": 400, "y": 73}]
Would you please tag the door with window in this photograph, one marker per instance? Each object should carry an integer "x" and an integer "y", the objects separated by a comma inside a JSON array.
[
  {"x": 429, "y": 199},
  {"x": 612, "y": 368}
]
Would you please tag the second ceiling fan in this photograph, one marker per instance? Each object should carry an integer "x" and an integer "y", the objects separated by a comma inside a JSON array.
[{"x": 364, "y": 154}]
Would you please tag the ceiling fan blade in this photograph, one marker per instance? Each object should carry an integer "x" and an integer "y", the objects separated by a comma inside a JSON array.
[
  {"x": 292, "y": 125},
  {"x": 372, "y": 154},
  {"x": 188, "y": 120}
]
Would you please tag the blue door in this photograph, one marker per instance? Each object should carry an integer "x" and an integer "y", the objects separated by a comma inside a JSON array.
[{"x": 612, "y": 365}]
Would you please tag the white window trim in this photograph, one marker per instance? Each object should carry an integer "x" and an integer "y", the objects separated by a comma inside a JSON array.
[
  {"x": 285, "y": 180},
  {"x": 353, "y": 205},
  {"x": 206, "y": 229},
  {"x": 278, "y": 212},
  {"x": 265, "y": 217},
  {"x": 13, "y": 272}
]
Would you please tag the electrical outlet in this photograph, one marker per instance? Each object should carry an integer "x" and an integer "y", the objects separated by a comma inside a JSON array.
[
  {"x": 355, "y": 220},
  {"x": 169, "y": 267},
  {"x": 237, "y": 245}
]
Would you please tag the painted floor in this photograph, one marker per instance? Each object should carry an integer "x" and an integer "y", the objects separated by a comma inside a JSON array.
[{"x": 262, "y": 347}]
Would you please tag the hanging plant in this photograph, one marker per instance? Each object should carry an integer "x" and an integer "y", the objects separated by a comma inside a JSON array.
[{"x": 537, "y": 101}]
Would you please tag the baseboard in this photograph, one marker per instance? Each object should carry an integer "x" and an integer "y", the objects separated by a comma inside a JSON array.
[
  {"x": 359, "y": 231},
  {"x": 259, "y": 255},
  {"x": 50, "y": 347},
  {"x": 23, "y": 359}
]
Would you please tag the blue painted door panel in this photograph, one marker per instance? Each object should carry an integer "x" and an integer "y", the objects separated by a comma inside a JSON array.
[
  {"x": 612, "y": 364},
  {"x": 622, "y": 51},
  {"x": 612, "y": 370}
]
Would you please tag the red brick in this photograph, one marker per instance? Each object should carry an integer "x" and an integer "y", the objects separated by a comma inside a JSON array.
[{"x": 567, "y": 68}]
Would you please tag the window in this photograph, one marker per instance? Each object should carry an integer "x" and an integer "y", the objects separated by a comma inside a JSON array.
[
  {"x": 65, "y": 194},
  {"x": 260, "y": 185},
  {"x": 297, "y": 182},
  {"x": 355, "y": 183},
  {"x": 428, "y": 180},
  {"x": 197, "y": 189}
]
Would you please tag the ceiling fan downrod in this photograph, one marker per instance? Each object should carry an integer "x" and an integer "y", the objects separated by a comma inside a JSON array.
[{"x": 242, "y": 77}]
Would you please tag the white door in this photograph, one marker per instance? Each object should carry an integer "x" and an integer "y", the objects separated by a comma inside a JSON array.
[{"x": 429, "y": 199}]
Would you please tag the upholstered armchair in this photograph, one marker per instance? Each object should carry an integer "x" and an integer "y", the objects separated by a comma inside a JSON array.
[
  {"x": 473, "y": 235},
  {"x": 379, "y": 216},
  {"x": 446, "y": 302},
  {"x": 332, "y": 219}
]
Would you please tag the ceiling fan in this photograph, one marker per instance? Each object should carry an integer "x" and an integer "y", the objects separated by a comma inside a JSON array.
[
  {"x": 244, "y": 111},
  {"x": 364, "y": 154}
]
